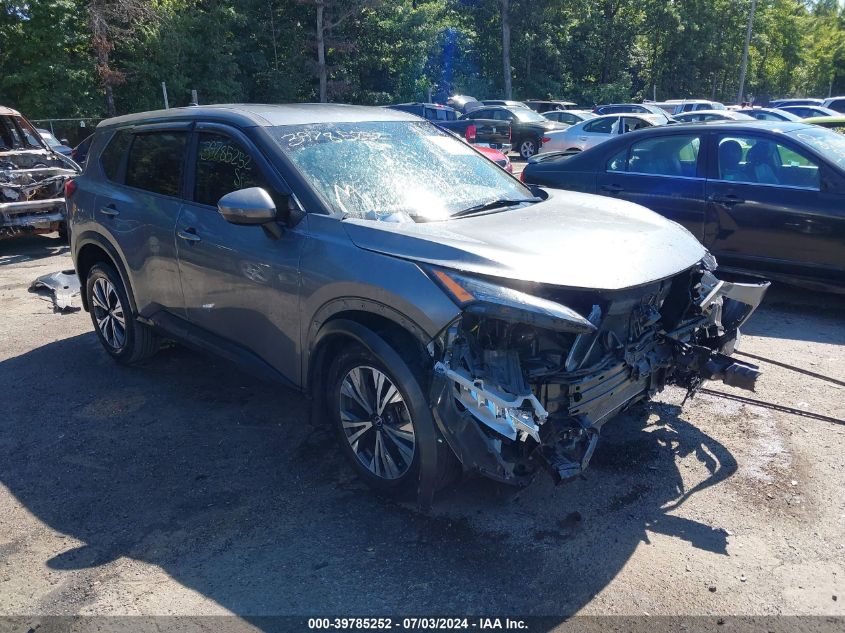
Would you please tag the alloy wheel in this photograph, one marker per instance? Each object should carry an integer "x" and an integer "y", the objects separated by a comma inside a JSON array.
[
  {"x": 376, "y": 422},
  {"x": 108, "y": 313},
  {"x": 527, "y": 148}
]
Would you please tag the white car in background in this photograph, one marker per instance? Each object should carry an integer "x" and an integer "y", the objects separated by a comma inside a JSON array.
[
  {"x": 595, "y": 131},
  {"x": 700, "y": 116}
]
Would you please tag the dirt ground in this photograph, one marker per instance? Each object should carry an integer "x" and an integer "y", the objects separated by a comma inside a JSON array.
[{"x": 187, "y": 487}]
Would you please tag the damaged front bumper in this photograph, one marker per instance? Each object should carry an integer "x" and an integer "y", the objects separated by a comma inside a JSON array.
[{"x": 521, "y": 387}]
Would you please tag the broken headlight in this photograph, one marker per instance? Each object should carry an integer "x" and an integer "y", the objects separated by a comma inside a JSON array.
[{"x": 487, "y": 299}]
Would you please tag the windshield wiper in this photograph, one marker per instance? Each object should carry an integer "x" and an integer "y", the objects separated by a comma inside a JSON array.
[{"x": 493, "y": 204}]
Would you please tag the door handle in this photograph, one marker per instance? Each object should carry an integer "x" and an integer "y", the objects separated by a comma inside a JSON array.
[
  {"x": 110, "y": 211},
  {"x": 189, "y": 235},
  {"x": 582, "y": 138},
  {"x": 611, "y": 188},
  {"x": 729, "y": 199}
]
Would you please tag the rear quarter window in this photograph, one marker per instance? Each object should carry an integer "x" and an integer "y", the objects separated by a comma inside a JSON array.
[
  {"x": 112, "y": 156},
  {"x": 155, "y": 162}
]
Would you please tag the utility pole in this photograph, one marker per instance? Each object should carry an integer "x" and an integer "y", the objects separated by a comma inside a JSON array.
[
  {"x": 744, "y": 66},
  {"x": 164, "y": 92}
]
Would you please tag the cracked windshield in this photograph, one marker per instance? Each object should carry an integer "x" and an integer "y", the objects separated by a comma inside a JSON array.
[{"x": 395, "y": 170}]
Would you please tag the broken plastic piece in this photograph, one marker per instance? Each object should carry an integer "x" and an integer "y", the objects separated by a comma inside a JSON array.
[{"x": 64, "y": 288}]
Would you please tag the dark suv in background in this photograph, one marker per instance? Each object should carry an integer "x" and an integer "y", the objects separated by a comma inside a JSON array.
[
  {"x": 528, "y": 128},
  {"x": 440, "y": 313}
]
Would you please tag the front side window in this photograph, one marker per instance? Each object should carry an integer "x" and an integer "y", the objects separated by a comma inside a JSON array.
[
  {"x": 666, "y": 156},
  {"x": 155, "y": 162},
  {"x": 528, "y": 116},
  {"x": 618, "y": 162},
  {"x": 17, "y": 133},
  {"x": 758, "y": 160},
  {"x": 223, "y": 166},
  {"x": 403, "y": 170}
]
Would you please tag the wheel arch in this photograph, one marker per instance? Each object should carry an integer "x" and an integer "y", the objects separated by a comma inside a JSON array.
[
  {"x": 344, "y": 321},
  {"x": 92, "y": 250}
]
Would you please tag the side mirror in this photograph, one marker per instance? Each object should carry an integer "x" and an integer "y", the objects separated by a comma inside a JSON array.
[{"x": 247, "y": 206}]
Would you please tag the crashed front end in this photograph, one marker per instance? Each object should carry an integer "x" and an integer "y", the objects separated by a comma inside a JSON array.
[
  {"x": 32, "y": 191},
  {"x": 528, "y": 374}
]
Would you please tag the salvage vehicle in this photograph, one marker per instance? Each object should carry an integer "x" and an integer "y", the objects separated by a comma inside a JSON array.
[
  {"x": 763, "y": 196},
  {"x": 528, "y": 128},
  {"x": 32, "y": 179},
  {"x": 441, "y": 314}
]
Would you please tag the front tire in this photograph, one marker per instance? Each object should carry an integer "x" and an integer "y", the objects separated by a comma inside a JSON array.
[
  {"x": 378, "y": 423},
  {"x": 121, "y": 335}
]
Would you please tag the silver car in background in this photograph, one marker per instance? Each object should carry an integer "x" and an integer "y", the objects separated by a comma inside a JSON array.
[
  {"x": 700, "y": 116},
  {"x": 595, "y": 131},
  {"x": 570, "y": 117}
]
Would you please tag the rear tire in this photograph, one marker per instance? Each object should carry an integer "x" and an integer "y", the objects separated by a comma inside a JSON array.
[
  {"x": 528, "y": 147},
  {"x": 121, "y": 335}
]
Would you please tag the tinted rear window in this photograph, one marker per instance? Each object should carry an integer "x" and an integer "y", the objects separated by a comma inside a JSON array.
[
  {"x": 155, "y": 162},
  {"x": 112, "y": 157}
]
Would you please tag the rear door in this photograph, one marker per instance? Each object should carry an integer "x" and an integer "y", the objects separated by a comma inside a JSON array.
[
  {"x": 239, "y": 282},
  {"x": 663, "y": 173},
  {"x": 137, "y": 205},
  {"x": 770, "y": 209}
]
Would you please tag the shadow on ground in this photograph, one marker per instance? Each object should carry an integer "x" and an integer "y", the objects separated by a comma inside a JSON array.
[
  {"x": 785, "y": 311},
  {"x": 193, "y": 466},
  {"x": 30, "y": 248}
]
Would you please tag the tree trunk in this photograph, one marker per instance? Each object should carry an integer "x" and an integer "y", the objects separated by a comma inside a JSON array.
[
  {"x": 744, "y": 66},
  {"x": 506, "y": 48},
  {"x": 321, "y": 54}
]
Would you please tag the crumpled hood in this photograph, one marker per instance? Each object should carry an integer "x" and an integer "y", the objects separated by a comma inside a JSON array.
[{"x": 571, "y": 239}]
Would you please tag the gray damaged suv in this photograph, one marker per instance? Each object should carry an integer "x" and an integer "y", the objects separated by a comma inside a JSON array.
[{"x": 440, "y": 313}]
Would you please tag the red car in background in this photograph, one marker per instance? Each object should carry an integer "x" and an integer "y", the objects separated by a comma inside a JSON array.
[{"x": 497, "y": 157}]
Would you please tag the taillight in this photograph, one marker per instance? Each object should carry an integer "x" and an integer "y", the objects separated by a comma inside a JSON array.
[
  {"x": 70, "y": 188},
  {"x": 510, "y": 134},
  {"x": 522, "y": 176},
  {"x": 470, "y": 133},
  {"x": 545, "y": 139}
]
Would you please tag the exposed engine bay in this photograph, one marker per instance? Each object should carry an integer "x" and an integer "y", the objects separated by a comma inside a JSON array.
[
  {"x": 32, "y": 180},
  {"x": 516, "y": 390}
]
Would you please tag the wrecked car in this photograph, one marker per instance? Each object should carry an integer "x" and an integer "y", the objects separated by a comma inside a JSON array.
[
  {"x": 441, "y": 315},
  {"x": 32, "y": 179}
]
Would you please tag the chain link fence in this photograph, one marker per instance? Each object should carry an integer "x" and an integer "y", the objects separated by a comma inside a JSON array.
[{"x": 70, "y": 130}]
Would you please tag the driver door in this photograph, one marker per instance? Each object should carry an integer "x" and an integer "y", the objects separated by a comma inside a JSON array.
[{"x": 239, "y": 283}]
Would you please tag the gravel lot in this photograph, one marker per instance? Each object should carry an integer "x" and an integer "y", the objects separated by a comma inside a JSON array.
[{"x": 187, "y": 487}]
